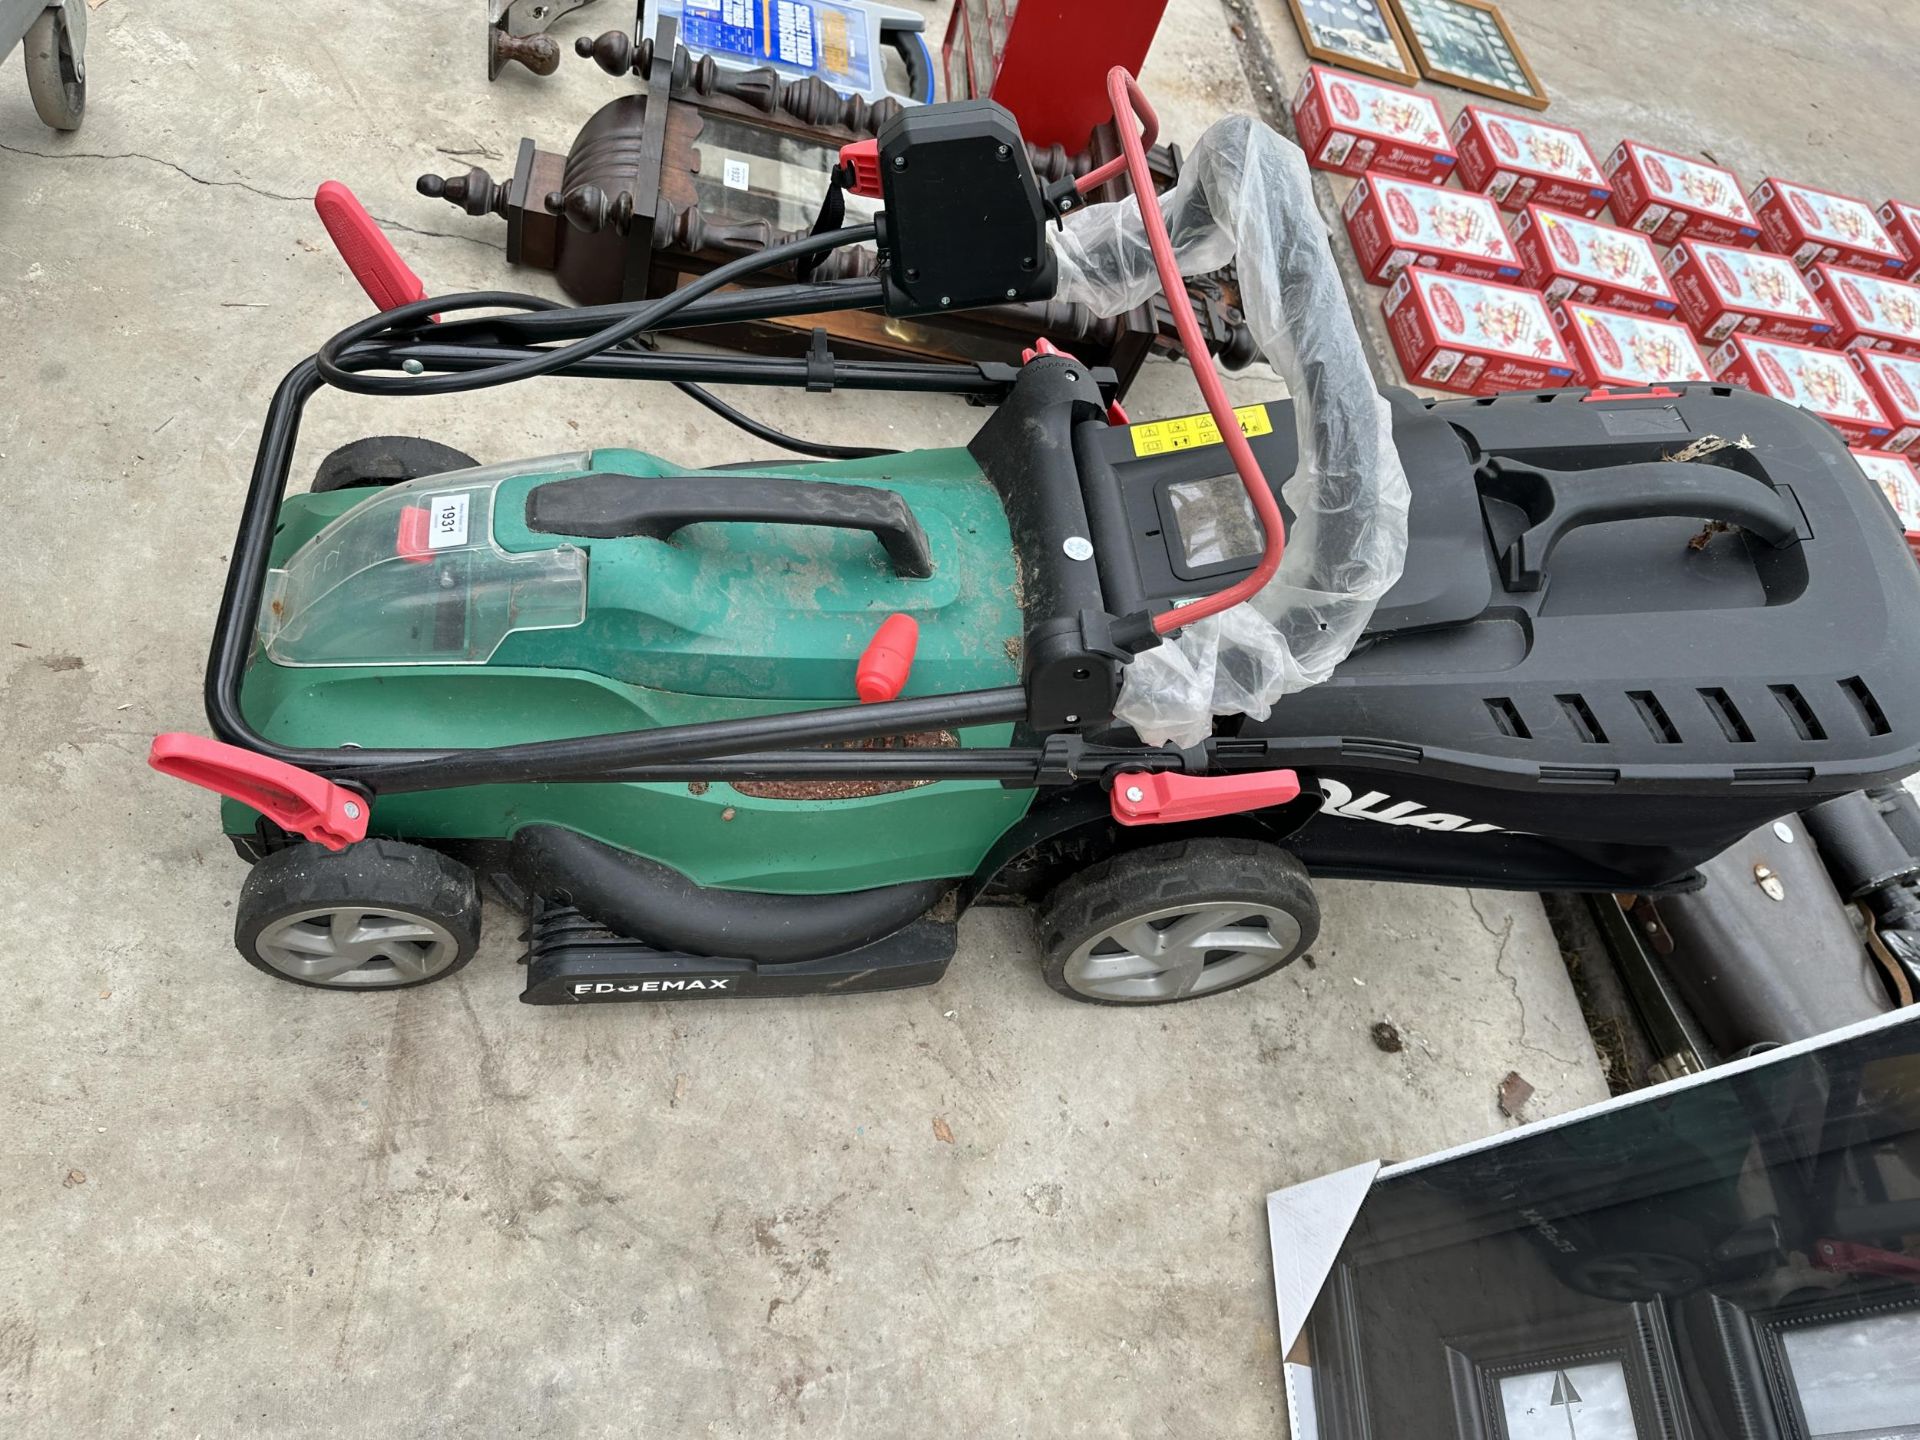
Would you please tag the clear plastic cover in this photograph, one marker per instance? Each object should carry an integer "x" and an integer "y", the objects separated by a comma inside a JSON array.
[
  {"x": 414, "y": 577},
  {"x": 1245, "y": 191}
]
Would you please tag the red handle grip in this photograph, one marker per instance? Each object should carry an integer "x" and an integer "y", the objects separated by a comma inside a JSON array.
[
  {"x": 294, "y": 799},
  {"x": 386, "y": 278}
]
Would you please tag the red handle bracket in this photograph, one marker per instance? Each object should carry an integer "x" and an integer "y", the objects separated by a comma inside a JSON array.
[
  {"x": 860, "y": 161},
  {"x": 887, "y": 662},
  {"x": 1651, "y": 392},
  {"x": 1143, "y": 799},
  {"x": 294, "y": 799},
  {"x": 387, "y": 279}
]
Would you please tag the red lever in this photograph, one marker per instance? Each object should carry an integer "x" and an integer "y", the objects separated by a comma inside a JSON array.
[
  {"x": 294, "y": 799},
  {"x": 1847, "y": 1258},
  {"x": 862, "y": 160},
  {"x": 1652, "y": 392},
  {"x": 1142, "y": 799},
  {"x": 888, "y": 659},
  {"x": 1043, "y": 346},
  {"x": 411, "y": 542},
  {"x": 385, "y": 277}
]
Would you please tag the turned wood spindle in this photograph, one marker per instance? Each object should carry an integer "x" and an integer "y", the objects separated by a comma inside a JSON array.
[{"x": 475, "y": 192}]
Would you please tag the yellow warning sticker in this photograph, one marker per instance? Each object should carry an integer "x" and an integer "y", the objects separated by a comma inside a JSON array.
[{"x": 1189, "y": 432}]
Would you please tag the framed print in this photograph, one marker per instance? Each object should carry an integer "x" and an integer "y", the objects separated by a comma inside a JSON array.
[
  {"x": 1598, "y": 1375},
  {"x": 1843, "y": 1365},
  {"x": 1358, "y": 35},
  {"x": 1466, "y": 44}
]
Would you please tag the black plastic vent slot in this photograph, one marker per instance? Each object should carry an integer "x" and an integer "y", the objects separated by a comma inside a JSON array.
[
  {"x": 1732, "y": 723},
  {"x": 1654, "y": 716},
  {"x": 1389, "y": 750},
  {"x": 1506, "y": 717},
  {"x": 1773, "y": 775},
  {"x": 1805, "y": 723},
  {"x": 1578, "y": 775},
  {"x": 1586, "y": 724},
  {"x": 1871, "y": 715}
]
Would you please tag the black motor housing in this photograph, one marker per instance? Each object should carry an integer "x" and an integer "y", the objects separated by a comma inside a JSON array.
[{"x": 1618, "y": 698}]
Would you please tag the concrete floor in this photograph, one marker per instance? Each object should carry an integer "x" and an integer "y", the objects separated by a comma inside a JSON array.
[{"x": 233, "y": 1207}]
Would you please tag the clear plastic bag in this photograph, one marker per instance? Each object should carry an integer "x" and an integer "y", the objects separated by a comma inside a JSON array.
[{"x": 1246, "y": 192}]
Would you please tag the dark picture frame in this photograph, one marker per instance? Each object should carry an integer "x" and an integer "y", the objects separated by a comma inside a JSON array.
[
  {"x": 1632, "y": 1337},
  {"x": 1447, "y": 36},
  {"x": 1772, "y": 1382},
  {"x": 1324, "y": 42}
]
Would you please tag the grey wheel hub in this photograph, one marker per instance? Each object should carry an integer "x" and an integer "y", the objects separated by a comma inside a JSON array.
[
  {"x": 348, "y": 947},
  {"x": 1182, "y": 950}
]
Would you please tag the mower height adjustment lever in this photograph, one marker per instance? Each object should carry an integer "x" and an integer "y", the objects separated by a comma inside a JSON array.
[
  {"x": 294, "y": 799},
  {"x": 1167, "y": 799}
]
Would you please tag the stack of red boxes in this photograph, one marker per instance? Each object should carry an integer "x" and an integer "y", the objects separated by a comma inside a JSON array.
[
  {"x": 1529, "y": 162},
  {"x": 1777, "y": 281},
  {"x": 1901, "y": 221},
  {"x": 1474, "y": 337},
  {"x": 1816, "y": 380},
  {"x": 1617, "y": 347},
  {"x": 1869, "y": 312},
  {"x": 1900, "y": 483},
  {"x": 1569, "y": 258},
  {"x": 1354, "y": 125},
  {"x": 1755, "y": 292},
  {"x": 1395, "y": 223},
  {"x": 1818, "y": 227},
  {"x": 1894, "y": 383},
  {"x": 1669, "y": 196}
]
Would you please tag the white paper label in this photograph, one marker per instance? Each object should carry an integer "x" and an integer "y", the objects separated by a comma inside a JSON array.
[
  {"x": 447, "y": 521},
  {"x": 734, "y": 174}
]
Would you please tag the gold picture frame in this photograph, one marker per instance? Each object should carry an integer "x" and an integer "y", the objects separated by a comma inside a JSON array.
[
  {"x": 1469, "y": 45},
  {"x": 1362, "y": 46}
]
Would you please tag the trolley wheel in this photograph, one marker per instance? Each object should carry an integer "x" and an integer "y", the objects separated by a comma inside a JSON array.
[
  {"x": 1176, "y": 922},
  {"x": 56, "y": 70},
  {"x": 379, "y": 915},
  {"x": 386, "y": 460}
]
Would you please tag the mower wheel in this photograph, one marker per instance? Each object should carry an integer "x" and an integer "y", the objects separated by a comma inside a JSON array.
[
  {"x": 379, "y": 915},
  {"x": 1177, "y": 921},
  {"x": 386, "y": 460}
]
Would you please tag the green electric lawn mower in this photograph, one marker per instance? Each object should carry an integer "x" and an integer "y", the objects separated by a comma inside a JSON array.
[{"x": 770, "y": 729}]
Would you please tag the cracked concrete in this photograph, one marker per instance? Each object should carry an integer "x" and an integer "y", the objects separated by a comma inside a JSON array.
[
  {"x": 386, "y": 222},
  {"x": 230, "y": 1207}
]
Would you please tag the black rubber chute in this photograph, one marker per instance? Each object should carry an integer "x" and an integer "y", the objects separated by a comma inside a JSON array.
[{"x": 645, "y": 900}]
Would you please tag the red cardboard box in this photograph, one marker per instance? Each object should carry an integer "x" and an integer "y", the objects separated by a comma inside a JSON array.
[
  {"x": 1894, "y": 383},
  {"x": 1354, "y": 125},
  {"x": 1474, "y": 337},
  {"x": 1869, "y": 313},
  {"x": 1395, "y": 223},
  {"x": 1816, "y": 380},
  {"x": 1816, "y": 227},
  {"x": 1723, "y": 289},
  {"x": 1568, "y": 258},
  {"x": 1621, "y": 347},
  {"x": 1667, "y": 196},
  {"x": 1901, "y": 221},
  {"x": 1900, "y": 483},
  {"x": 1528, "y": 162}
]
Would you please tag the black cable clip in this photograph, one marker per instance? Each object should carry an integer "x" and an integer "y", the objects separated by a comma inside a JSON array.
[{"x": 819, "y": 364}]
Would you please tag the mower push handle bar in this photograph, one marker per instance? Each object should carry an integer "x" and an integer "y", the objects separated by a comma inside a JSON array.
[
  {"x": 609, "y": 507},
  {"x": 595, "y": 757},
  {"x": 1557, "y": 502}
]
